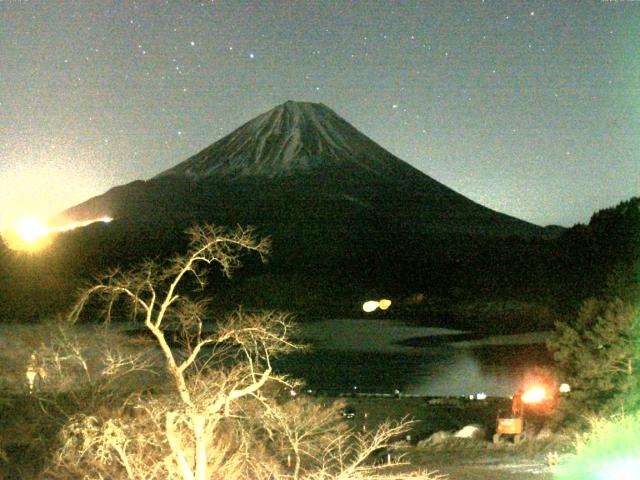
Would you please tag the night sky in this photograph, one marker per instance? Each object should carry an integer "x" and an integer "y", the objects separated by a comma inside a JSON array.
[{"x": 529, "y": 108}]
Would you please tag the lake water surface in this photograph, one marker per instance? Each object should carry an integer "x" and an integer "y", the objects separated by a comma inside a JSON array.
[{"x": 379, "y": 356}]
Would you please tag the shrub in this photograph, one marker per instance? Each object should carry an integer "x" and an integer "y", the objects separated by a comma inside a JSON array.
[{"x": 609, "y": 450}]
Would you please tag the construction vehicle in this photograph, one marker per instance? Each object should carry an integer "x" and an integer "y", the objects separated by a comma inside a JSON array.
[{"x": 535, "y": 397}]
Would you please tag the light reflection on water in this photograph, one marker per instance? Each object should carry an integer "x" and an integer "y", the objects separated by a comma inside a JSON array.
[{"x": 379, "y": 356}]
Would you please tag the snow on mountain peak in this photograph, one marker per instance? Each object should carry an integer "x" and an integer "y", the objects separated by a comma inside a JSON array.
[{"x": 292, "y": 137}]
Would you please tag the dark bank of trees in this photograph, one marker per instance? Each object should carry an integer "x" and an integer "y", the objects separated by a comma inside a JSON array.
[
  {"x": 559, "y": 272},
  {"x": 584, "y": 261}
]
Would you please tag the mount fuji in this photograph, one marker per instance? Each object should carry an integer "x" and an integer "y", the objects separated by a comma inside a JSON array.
[{"x": 327, "y": 194}]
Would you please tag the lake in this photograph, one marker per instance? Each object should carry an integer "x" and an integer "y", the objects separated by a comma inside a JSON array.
[
  {"x": 379, "y": 356},
  {"x": 374, "y": 355}
]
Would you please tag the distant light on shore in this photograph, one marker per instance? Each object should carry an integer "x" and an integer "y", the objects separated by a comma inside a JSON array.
[
  {"x": 370, "y": 306},
  {"x": 384, "y": 304}
]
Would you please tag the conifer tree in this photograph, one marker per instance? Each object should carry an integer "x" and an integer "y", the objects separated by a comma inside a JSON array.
[{"x": 599, "y": 356}]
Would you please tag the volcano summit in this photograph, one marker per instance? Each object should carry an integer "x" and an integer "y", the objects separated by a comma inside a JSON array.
[{"x": 293, "y": 138}]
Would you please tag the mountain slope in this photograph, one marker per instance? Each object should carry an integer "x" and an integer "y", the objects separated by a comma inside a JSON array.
[{"x": 301, "y": 163}]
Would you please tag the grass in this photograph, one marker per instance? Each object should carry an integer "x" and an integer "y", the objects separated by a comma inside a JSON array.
[{"x": 611, "y": 449}]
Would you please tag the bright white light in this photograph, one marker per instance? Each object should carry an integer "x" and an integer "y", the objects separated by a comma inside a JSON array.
[
  {"x": 620, "y": 469},
  {"x": 67, "y": 227},
  {"x": 370, "y": 306},
  {"x": 30, "y": 230},
  {"x": 481, "y": 396},
  {"x": 564, "y": 388},
  {"x": 80, "y": 223},
  {"x": 534, "y": 395}
]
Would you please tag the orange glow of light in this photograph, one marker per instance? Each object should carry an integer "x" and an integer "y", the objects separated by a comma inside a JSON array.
[
  {"x": 31, "y": 230},
  {"x": 534, "y": 394},
  {"x": 31, "y": 234},
  {"x": 28, "y": 234}
]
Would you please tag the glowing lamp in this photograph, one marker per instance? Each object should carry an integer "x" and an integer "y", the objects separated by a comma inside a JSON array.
[
  {"x": 384, "y": 304},
  {"x": 370, "y": 306},
  {"x": 534, "y": 395},
  {"x": 564, "y": 388}
]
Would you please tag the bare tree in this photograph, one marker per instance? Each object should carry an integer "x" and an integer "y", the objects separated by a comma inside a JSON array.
[
  {"x": 221, "y": 417},
  {"x": 85, "y": 369},
  {"x": 303, "y": 430}
]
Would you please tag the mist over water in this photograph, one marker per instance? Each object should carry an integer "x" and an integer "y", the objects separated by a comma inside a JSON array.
[{"x": 379, "y": 356}]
